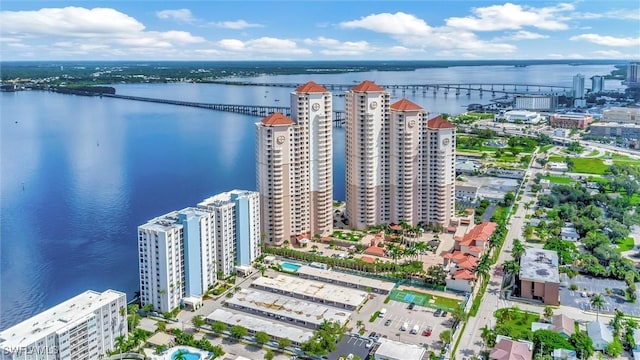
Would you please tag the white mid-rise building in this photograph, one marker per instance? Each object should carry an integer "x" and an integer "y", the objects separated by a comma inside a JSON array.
[
  {"x": 399, "y": 164},
  {"x": 237, "y": 233},
  {"x": 83, "y": 327},
  {"x": 177, "y": 257},
  {"x": 294, "y": 167},
  {"x": 519, "y": 116},
  {"x": 536, "y": 102},
  {"x": 597, "y": 84},
  {"x": 578, "y": 86}
]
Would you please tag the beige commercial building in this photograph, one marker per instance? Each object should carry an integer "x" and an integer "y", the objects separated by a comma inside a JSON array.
[
  {"x": 294, "y": 167},
  {"x": 399, "y": 164},
  {"x": 621, "y": 115}
]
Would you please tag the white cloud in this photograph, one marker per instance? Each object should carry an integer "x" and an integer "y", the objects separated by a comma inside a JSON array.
[
  {"x": 263, "y": 45},
  {"x": 333, "y": 47},
  {"x": 525, "y": 35},
  {"x": 609, "y": 53},
  {"x": 181, "y": 15},
  {"x": 69, "y": 21},
  {"x": 395, "y": 24},
  {"x": 606, "y": 40},
  {"x": 99, "y": 31},
  {"x": 512, "y": 17},
  {"x": 413, "y": 32},
  {"x": 235, "y": 25},
  {"x": 620, "y": 14}
]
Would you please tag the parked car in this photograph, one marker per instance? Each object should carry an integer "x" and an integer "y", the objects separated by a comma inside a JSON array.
[
  {"x": 373, "y": 334},
  {"x": 388, "y": 322},
  {"x": 427, "y": 331},
  {"x": 444, "y": 314},
  {"x": 412, "y": 305},
  {"x": 437, "y": 312}
]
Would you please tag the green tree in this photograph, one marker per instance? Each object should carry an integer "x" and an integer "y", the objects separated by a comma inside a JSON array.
[
  {"x": 614, "y": 349},
  {"x": 283, "y": 343},
  {"x": 217, "y": 351},
  {"x": 198, "y": 321},
  {"x": 269, "y": 355},
  {"x": 547, "y": 340},
  {"x": 582, "y": 343},
  {"x": 238, "y": 331},
  {"x": 597, "y": 302},
  {"x": 518, "y": 250},
  {"x": 445, "y": 337},
  {"x": 161, "y": 326},
  {"x": 218, "y": 327},
  {"x": 262, "y": 337},
  {"x": 511, "y": 267},
  {"x": 548, "y": 311}
]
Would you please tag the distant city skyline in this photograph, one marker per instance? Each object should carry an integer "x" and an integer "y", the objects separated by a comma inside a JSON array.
[{"x": 318, "y": 30}]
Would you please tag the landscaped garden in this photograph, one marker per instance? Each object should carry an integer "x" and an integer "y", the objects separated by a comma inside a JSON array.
[{"x": 349, "y": 236}]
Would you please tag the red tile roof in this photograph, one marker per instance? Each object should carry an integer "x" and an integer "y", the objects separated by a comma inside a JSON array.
[
  {"x": 507, "y": 349},
  {"x": 368, "y": 259},
  {"x": 439, "y": 123},
  {"x": 405, "y": 105},
  {"x": 374, "y": 250},
  {"x": 311, "y": 87},
  {"x": 277, "y": 119},
  {"x": 396, "y": 227},
  {"x": 367, "y": 85},
  {"x": 481, "y": 232},
  {"x": 464, "y": 274},
  {"x": 470, "y": 262}
]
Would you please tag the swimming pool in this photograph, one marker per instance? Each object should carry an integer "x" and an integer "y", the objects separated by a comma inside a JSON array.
[
  {"x": 289, "y": 267},
  {"x": 186, "y": 355}
]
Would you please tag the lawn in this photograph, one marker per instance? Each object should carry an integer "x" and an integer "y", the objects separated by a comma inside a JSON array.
[
  {"x": 514, "y": 323},
  {"x": 589, "y": 166},
  {"x": 593, "y": 153},
  {"x": 346, "y": 236},
  {"x": 556, "y": 158},
  {"x": 546, "y": 148},
  {"x": 559, "y": 179},
  {"x": 626, "y": 245}
]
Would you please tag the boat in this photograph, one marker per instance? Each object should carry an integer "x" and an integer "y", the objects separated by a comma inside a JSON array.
[{"x": 277, "y": 100}]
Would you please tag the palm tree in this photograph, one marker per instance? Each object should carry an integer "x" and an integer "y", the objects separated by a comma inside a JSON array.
[
  {"x": 411, "y": 252},
  {"x": 420, "y": 246},
  {"x": 597, "y": 302},
  {"x": 518, "y": 250},
  {"x": 120, "y": 343},
  {"x": 511, "y": 267},
  {"x": 483, "y": 267}
]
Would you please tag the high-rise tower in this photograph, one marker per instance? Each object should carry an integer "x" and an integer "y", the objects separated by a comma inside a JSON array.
[
  {"x": 400, "y": 166},
  {"x": 295, "y": 167},
  {"x": 367, "y": 175}
]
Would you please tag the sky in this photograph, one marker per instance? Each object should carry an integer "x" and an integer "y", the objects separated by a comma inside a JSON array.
[{"x": 319, "y": 30}]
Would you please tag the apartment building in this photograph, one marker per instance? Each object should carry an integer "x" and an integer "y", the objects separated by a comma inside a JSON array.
[
  {"x": 294, "y": 167},
  {"x": 367, "y": 115},
  {"x": 237, "y": 233},
  {"x": 83, "y": 327},
  {"x": 177, "y": 257},
  {"x": 399, "y": 164}
]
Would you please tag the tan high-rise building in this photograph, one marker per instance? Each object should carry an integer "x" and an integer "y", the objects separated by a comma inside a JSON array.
[
  {"x": 399, "y": 164},
  {"x": 275, "y": 176},
  {"x": 367, "y": 175},
  {"x": 295, "y": 167},
  {"x": 311, "y": 109}
]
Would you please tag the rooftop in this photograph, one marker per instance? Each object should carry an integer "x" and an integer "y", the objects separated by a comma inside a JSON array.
[
  {"x": 367, "y": 85},
  {"x": 258, "y": 324},
  {"x": 480, "y": 232},
  {"x": 63, "y": 315},
  {"x": 539, "y": 265},
  {"x": 396, "y": 350},
  {"x": 225, "y": 197},
  {"x": 336, "y": 276},
  {"x": 170, "y": 220},
  {"x": 405, "y": 105},
  {"x": 280, "y": 305},
  {"x": 439, "y": 123},
  {"x": 312, "y": 288},
  {"x": 277, "y": 119},
  {"x": 311, "y": 87},
  {"x": 507, "y": 349}
]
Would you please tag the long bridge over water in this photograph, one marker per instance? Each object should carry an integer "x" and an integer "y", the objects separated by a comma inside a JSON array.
[
  {"x": 254, "y": 110},
  {"x": 458, "y": 88}
]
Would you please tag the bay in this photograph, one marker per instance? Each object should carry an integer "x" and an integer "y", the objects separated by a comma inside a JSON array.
[{"x": 79, "y": 174}]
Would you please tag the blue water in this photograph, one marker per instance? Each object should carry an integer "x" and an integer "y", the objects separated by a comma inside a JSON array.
[
  {"x": 290, "y": 267},
  {"x": 79, "y": 174},
  {"x": 187, "y": 355}
]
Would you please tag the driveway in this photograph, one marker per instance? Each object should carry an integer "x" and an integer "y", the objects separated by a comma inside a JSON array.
[{"x": 588, "y": 286}]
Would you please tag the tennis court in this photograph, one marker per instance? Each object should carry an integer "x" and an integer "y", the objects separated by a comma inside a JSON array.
[
  {"x": 409, "y": 297},
  {"x": 422, "y": 299}
]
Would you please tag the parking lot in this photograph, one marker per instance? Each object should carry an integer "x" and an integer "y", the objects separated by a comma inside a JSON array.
[
  {"x": 396, "y": 315},
  {"x": 351, "y": 345},
  {"x": 581, "y": 297}
]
